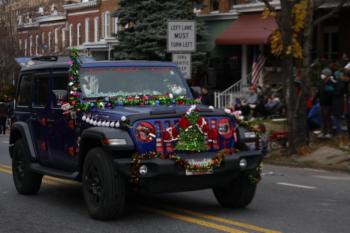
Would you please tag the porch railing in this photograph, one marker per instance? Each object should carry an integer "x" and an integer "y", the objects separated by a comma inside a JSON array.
[{"x": 227, "y": 97}]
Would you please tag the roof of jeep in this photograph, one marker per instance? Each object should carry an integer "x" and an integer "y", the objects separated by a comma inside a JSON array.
[{"x": 97, "y": 64}]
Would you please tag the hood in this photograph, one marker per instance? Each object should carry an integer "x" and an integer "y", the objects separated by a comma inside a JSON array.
[{"x": 135, "y": 113}]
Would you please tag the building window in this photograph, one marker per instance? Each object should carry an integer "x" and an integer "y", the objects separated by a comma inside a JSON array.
[
  {"x": 79, "y": 39},
  {"x": 49, "y": 40},
  {"x": 214, "y": 5},
  {"x": 36, "y": 45},
  {"x": 30, "y": 45},
  {"x": 56, "y": 40},
  {"x": 20, "y": 44},
  {"x": 71, "y": 35},
  {"x": 107, "y": 24},
  {"x": 331, "y": 41},
  {"x": 63, "y": 38},
  {"x": 87, "y": 30},
  {"x": 116, "y": 25},
  {"x": 96, "y": 31},
  {"x": 25, "y": 47}
]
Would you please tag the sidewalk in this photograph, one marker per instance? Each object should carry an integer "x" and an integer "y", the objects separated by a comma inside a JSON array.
[{"x": 324, "y": 157}]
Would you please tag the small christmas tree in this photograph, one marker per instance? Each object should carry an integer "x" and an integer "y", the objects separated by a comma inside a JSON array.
[{"x": 191, "y": 137}]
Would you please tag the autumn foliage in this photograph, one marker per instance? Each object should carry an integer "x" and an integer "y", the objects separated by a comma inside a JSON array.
[{"x": 278, "y": 48}]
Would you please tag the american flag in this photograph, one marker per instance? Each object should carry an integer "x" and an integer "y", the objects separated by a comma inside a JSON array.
[{"x": 257, "y": 68}]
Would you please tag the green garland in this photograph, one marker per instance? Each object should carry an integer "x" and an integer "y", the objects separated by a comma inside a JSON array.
[
  {"x": 255, "y": 176},
  {"x": 137, "y": 159}
]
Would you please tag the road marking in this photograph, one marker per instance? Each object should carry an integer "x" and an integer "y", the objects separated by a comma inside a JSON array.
[
  {"x": 48, "y": 178},
  {"x": 5, "y": 170},
  {"x": 56, "y": 182},
  {"x": 333, "y": 177},
  {"x": 297, "y": 185},
  {"x": 226, "y": 221},
  {"x": 193, "y": 220}
]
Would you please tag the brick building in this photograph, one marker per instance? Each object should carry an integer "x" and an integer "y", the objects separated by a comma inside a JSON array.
[
  {"x": 237, "y": 33},
  {"x": 91, "y": 28},
  {"x": 52, "y": 29}
]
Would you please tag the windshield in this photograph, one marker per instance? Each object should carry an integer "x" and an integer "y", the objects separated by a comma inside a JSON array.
[{"x": 131, "y": 81}]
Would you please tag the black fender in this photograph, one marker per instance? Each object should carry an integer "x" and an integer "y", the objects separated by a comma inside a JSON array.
[
  {"x": 96, "y": 136},
  {"x": 21, "y": 130}
]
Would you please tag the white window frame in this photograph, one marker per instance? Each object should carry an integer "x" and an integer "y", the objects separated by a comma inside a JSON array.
[
  {"x": 25, "y": 47},
  {"x": 107, "y": 24},
  {"x": 71, "y": 35},
  {"x": 49, "y": 40},
  {"x": 30, "y": 45},
  {"x": 43, "y": 43},
  {"x": 56, "y": 39},
  {"x": 96, "y": 29},
  {"x": 78, "y": 34},
  {"x": 36, "y": 45},
  {"x": 87, "y": 30},
  {"x": 116, "y": 25},
  {"x": 63, "y": 38}
]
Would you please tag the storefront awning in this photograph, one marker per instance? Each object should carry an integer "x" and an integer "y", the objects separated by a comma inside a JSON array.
[{"x": 248, "y": 29}]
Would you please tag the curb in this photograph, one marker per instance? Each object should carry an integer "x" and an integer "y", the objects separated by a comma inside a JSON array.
[{"x": 302, "y": 165}]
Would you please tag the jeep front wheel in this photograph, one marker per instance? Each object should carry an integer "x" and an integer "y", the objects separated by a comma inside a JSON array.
[
  {"x": 238, "y": 194},
  {"x": 103, "y": 186},
  {"x": 26, "y": 181}
]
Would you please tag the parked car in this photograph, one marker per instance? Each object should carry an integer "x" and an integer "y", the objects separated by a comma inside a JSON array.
[{"x": 137, "y": 127}]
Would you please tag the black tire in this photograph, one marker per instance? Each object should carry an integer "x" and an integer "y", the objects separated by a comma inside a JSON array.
[
  {"x": 103, "y": 186},
  {"x": 237, "y": 194},
  {"x": 26, "y": 181}
]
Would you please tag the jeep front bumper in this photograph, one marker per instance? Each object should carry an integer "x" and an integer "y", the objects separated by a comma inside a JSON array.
[{"x": 163, "y": 175}]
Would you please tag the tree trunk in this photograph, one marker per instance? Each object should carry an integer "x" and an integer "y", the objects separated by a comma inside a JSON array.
[
  {"x": 301, "y": 109},
  {"x": 285, "y": 25}
]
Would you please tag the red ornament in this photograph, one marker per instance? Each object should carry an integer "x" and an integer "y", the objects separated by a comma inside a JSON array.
[
  {"x": 43, "y": 121},
  {"x": 71, "y": 124},
  {"x": 43, "y": 146},
  {"x": 71, "y": 151},
  {"x": 145, "y": 132}
]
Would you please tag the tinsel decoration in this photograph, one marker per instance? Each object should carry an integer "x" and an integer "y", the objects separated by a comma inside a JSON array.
[
  {"x": 255, "y": 176},
  {"x": 137, "y": 159},
  {"x": 191, "y": 132},
  {"x": 73, "y": 105}
]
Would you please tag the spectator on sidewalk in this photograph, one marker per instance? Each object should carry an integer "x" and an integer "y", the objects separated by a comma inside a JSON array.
[
  {"x": 3, "y": 115},
  {"x": 207, "y": 96},
  {"x": 326, "y": 100},
  {"x": 346, "y": 79},
  {"x": 338, "y": 101}
]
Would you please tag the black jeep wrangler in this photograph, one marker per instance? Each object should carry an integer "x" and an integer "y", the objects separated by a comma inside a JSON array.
[{"x": 120, "y": 125}]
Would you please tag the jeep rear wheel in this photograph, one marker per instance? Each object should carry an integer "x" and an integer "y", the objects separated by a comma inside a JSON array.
[
  {"x": 26, "y": 181},
  {"x": 237, "y": 194},
  {"x": 103, "y": 186}
]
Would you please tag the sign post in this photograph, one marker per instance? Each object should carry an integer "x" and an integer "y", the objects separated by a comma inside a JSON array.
[{"x": 181, "y": 43}]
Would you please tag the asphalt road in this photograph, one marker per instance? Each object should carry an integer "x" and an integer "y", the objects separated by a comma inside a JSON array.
[{"x": 289, "y": 200}]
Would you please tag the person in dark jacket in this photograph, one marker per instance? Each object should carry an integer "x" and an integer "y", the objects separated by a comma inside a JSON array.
[
  {"x": 338, "y": 101},
  {"x": 326, "y": 93},
  {"x": 3, "y": 115},
  {"x": 207, "y": 96},
  {"x": 346, "y": 80}
]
